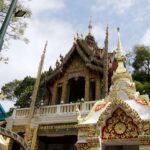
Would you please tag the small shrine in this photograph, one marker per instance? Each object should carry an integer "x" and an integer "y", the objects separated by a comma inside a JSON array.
[{"x": 121, "y": 121}]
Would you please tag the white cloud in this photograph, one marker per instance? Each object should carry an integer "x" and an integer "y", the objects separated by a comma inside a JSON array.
[
  {"x": 118, "y": 6},
  {"x": 24, "y": 59},
  {"x": 146, "y": 38},
  {"x": 99, "y": 34},
  {"x": 43, "y": 5}
]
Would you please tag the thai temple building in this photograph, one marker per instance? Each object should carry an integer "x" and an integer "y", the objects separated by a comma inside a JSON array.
[{"x": 91, "y": 103}]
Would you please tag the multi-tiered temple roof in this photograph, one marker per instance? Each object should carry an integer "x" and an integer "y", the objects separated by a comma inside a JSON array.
[{"x": 89, "y": 52}]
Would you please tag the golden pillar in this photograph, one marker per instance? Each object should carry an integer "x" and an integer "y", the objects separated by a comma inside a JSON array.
[
  {"x": 34, "y": 142},
  {"x": 144, "y": 142},
  {"x": 64, "y": 90},
  {"x": 46, "y": 101},
  {"x": 144, "y": 147},
  {"x": 54, "y": 94},
  {"x": 87, "y": 88},
  {"x": 98, "y": 89}
]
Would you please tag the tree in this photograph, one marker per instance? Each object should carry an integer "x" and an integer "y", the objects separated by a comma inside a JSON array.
[
  {"x": 141, "y": 66},
  {"x": 21, "y": 90},
  {"x": 17, "y": 25},
  {"x": 141, "y": 63},
  {"x": 9, "y": 88}
]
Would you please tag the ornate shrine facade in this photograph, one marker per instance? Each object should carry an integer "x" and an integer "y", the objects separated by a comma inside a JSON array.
[{"x": 121, "y": 121}]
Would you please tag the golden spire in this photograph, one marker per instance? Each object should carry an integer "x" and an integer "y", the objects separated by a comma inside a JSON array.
[
  {"x": 34, "y": 96},
  {"x": 106, "y": 39},
  {"x": 119, "y": 55},
  {"x": 106, "y": 64},
  {"x": 90, "y": 26},
  {"x": 119, "y": 45}
]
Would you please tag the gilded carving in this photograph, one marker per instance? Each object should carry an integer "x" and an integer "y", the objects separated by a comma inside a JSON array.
[
  {"x": 82, "y": 146},
  {"x": 120, "y": 126}
]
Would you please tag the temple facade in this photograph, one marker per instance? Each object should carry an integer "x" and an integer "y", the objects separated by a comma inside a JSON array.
[
  {"x": 91, "y": 103},
  {"x": 81, "y": 74}
]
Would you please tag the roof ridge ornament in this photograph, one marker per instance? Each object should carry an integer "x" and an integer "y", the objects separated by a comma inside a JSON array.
[{"x": 75, "y": 39}]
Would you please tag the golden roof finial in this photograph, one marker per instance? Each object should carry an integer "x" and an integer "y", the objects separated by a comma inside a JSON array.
[
  {"x": 119, "y": 56},
  {"x": 90, "y": 26},
  {"x": 75, "y": 39}
]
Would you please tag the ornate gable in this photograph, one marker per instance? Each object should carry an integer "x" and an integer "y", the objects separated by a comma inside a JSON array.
[{"x": 120, "y": 126}]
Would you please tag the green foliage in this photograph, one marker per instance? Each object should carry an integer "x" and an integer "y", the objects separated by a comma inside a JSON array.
[
  {"x": 9, "y": 88},
  {"x": 21, "y": 91},
  {"x": 141, "y": 63},
  {"x": 143, "y": 88},
  {"x": 17, "y": 25}
]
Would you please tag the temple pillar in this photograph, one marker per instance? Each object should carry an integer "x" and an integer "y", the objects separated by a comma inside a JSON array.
[
  {"x": 54, "y": 94},
  {"x": 144, "y": 142},
  {"x": 34, "y": 142},
  {"x": 64, "y": 90},
  {"x": 46, "y": 101},
  {"x": 87, "y": 88},
  {"x": 94, "y": 143},
  {"x": 144, "y": 147},
  {"x": 98, "y": 89},
  {"x": 91, "y": 145}
]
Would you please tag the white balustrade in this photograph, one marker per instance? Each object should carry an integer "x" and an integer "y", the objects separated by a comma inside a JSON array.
[
  {"x": 69, "y": 108},
  {"x": 89, "y": 105},
  {"x": 55, "y": 109},
  {"x": 22, "y": 112}
]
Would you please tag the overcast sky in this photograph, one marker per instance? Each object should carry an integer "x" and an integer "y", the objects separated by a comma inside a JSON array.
[{"x": 59, "y": 20}]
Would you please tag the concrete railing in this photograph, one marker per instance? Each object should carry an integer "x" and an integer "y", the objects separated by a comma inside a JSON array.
[{"x": 55, "y": 109}]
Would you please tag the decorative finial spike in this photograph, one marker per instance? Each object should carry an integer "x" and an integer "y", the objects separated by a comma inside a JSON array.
[
  {"x": 90, "y": 26},
  {"x": 106, "y": 38},
  {"x": 119, "y": 56},
  {"x": 106, "y": 63},
  {"x": 107, "y": 27},
  {"x": 119, "y": 46},
  {"x": 78, "y": 36},
  {"x": 75, "y": 39},
  {"x": 118, "y": 29}
]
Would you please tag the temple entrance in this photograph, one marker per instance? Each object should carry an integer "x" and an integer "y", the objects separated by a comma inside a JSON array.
[
  {"x": 57, "y": 143},
  {"x": 121, "y": 147},
  {"x": 76, "y": 88}
]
